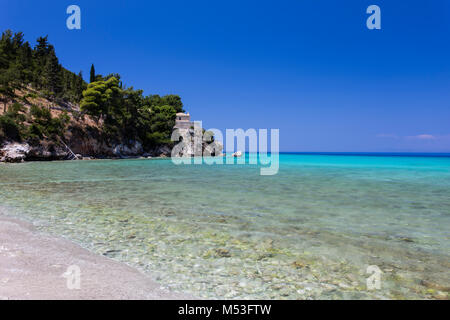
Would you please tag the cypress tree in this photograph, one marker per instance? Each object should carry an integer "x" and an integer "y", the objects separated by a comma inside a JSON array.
[{"x": 92, "y": 79}]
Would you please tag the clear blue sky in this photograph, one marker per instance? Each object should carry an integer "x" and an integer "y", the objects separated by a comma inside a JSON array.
[{"x": 310, "y": 68}]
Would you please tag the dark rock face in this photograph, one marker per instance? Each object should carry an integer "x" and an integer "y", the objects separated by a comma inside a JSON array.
[
  {"x": 130, "y": 149},
  {"x": 47, "y": 152},
  {"x": 91, "y": 143},
  {"x": 88, "y": 143},
  {"x": 86, "y": 148},
  {"x": 161, "y": 151}
]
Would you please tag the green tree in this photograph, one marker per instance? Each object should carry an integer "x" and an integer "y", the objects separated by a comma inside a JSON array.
[
  {"x": 6, "y": 48},
  {"x": 155, "y": 124},
  {"x": 8, "y": 84},
  {"x": 8, "y": 70},
  {"x": 52, "y": 75},
  {"x": 11, "y": 123},
  {"x": 169, "y": 100},
  {"x": 102, "y": 99},
  {"x": 92, "y": 78},
  {"x": 93, "y": 101},
  {"x": 173, "y": 101},
  {"x": 44, "y": 125},
  {"x": 80, "y": 86},
  {"x": 42, "y": 48},
  {"x": 125, "y": 113},
  {"x": 41, "y": 51},
  {"x": 24, "y": 63}
]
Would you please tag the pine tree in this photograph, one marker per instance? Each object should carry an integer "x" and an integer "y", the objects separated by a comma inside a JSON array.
[
  {"x": 92, "y": 79},
  {"x": 41, "y": 50},
  {"x": 6, "y": 46},
  {"x": 25, "y": 62},
  {"x": 80, "y": 87},
  {"x": 8, "y": 84},
  {"x": 52, "y": 77}
]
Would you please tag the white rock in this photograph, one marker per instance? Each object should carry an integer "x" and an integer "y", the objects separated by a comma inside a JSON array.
[{"x": 14, "y": 152}]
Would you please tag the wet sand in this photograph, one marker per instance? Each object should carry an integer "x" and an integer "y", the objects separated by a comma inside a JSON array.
[{"x": 32, "y": 266}]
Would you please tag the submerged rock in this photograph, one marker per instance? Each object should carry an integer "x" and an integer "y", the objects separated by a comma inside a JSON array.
[
  {"x": 109, "y": 253},
  {"x": 434, "y": 285},
  {"x": 224, "y": 253},
  {"x": 299, "y": 265}
]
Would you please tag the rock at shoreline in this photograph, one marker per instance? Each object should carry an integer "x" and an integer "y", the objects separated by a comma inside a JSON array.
[
  {"x": 133, "y": 148},
  {"x": 47, "y": 151},
  {"x": 14, "y": 152},
  {"x": 191, "y": 145},
  {"x": 162, "y": 151},
  {"x": 87, "y": 149}
]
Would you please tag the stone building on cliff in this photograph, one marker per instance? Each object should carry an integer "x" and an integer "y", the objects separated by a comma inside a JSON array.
[{"x": 183, "y": 121}]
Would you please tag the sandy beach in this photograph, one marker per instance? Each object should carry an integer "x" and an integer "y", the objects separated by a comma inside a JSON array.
[{"x": 32, "y": 266}]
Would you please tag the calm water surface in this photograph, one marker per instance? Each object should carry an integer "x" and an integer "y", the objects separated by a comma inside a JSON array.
[{"x": 224, "y": 231}]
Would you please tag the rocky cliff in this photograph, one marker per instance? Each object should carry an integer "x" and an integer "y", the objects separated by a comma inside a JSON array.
[{"x": 83, "y": 138}]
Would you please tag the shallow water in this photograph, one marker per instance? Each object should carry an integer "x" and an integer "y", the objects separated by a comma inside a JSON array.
[{"x": 224, "y": 231}]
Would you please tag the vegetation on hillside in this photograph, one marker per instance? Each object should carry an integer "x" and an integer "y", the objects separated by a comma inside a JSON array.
[{"x": 121, "y": 113}]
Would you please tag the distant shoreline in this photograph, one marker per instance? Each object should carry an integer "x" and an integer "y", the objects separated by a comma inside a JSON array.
[
  {"x": 343, "y": 154},
  {"x": 375, "y": 154}
]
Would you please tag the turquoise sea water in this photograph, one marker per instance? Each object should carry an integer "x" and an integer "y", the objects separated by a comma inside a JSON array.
[{"x": 225, "y": 231}]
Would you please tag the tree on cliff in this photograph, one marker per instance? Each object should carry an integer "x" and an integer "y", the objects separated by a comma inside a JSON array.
[
  {"x": 7, "y": 86},
  {"x": 126, "y": 113},
  {"x": 51, "y": 74},
  {"x": 101, "y": 99},
  {"x": 168, "y": 100},
  {"x": 79, "y": 86},
  {"x": 21, "y": 66},
  {"x": 40, "y": 54},
  {"x": 9, "y": 66},
  {"x": 92, "y": 78},
  {"x": 156, "y": 124}
]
